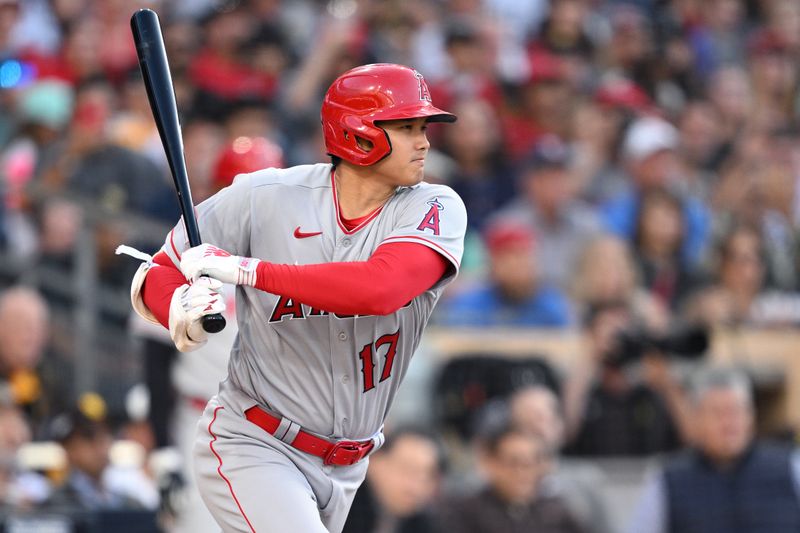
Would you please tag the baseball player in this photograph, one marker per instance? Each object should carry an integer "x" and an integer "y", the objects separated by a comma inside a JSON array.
[
  {"x": 196, "y": 375},
  {"x": 338, "y": 267}
]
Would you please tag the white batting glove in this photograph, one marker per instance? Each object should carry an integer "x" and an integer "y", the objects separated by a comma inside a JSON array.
[
  {"x": 208, "y": 260},
  {"x": 189, "y": 304}
]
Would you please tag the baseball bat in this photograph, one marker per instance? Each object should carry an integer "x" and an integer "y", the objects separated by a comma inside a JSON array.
[{"x": 158, "y": 82}]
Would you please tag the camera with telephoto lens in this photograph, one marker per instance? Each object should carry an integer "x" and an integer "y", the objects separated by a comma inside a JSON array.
[{"x": 686, "y": 341}]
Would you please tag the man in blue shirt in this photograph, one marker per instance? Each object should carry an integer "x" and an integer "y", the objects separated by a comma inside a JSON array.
[
  {"x": 650, "y": 160},
  {"x": 513, "y": 294}
]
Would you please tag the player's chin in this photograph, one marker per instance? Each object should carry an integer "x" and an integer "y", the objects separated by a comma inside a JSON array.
[{"x": 416, "y": 174}]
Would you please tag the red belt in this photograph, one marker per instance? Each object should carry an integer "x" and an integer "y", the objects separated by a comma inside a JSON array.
[{"x": 341, "y": 453}]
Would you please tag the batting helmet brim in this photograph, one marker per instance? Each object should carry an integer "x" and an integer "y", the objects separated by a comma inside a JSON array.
[{"x": 422, "y": 110}]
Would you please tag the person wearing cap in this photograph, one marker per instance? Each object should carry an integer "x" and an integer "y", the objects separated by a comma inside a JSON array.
[
  {"x": 513, "y": 294},
  {"x": 546, "y": 104},
  {"x": 548, "y": 206},
  {"x": 650, "y": 159},
  {"x": 87, "y": 442}
]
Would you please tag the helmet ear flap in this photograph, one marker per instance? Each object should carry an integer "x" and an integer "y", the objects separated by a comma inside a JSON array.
[{"x": 355, "y": 128}]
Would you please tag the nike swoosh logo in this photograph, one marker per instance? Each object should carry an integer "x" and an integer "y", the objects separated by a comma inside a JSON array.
[{"x": 303, "y": 235}]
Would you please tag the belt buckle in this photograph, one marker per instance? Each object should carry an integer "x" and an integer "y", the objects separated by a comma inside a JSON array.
[{"x": 346, "y": 453}]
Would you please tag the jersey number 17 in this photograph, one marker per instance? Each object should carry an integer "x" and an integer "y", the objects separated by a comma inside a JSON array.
[{"x": 367, "y": 355}]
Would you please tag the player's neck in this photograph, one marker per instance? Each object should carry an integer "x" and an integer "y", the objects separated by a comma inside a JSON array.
[{"x": 358, "y": 195}]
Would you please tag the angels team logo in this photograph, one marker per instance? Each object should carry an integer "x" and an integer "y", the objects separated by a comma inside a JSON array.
[
  {"x": 424, "y": 94},
  {"x": 431, "y": 219}
]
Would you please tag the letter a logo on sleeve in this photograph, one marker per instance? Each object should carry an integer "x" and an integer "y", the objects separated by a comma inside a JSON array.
[{"x": 431, "y": 219}]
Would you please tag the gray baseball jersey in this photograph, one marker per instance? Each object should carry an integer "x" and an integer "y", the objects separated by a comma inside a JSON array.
[{"x": 334, "y": 375}]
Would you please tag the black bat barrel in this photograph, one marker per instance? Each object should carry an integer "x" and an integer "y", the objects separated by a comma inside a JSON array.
[{"x": 158, "y": 82}]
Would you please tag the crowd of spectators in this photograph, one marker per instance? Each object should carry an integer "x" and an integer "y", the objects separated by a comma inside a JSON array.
[{"x": 630, "y": 170}]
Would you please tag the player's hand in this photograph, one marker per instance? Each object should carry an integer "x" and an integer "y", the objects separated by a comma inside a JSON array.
[
  {"x": 208, "y": 260},
  {"x": 189, "y": 304}
]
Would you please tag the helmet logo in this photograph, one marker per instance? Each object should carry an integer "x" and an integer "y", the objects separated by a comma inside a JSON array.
[{"x": 424, "y": 94}]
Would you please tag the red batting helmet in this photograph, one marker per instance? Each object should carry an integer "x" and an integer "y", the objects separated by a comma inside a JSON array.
[
  {"x": 365, "y": 95},
  {"x": 244, "y": 155}
]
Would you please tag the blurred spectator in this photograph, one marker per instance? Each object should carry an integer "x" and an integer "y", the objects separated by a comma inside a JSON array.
[
  {"x": 651, "y": 160},
  {"x": 728, "y": 480},
  {"x": 562, "y": 224},
  {"x": 774, "y": 77},
  {"x": 611, "y": 409},
  {"x": 514, "y": 294},
  {"x": 338, "y": 45},
  {"x": 249, "y": 118},
  {"x": 597, "y": 129},
  {"x": 536, "y": 409},
  {"x": 716, "y": 38},
  {"x": 514, "y": 464},
  {"x": 402, "y": 479},
  {"x": 701, "y": 146},
  {"x": 133, "y": 127},
  {"x": 19, "y": 490},
  {"x": 393, "y": 26},
  {"x": 739, "y": 297},
  {"x": 203, "y": 140},
  {"x": 606, "y": 272},
  {"x": 42, "y": 112},
  {"x": 758, "y": 187},
  {"x": 60, "y": 221},
  {"x": 28, "y": 378},
  {"x": 87, "y": 442},
  {"x": 730, "y": 92},
  {"x": 782, "y": 18},
  {"x": 564, "y": 33},
  {"x": 99, "y": 171},
  {"x": 219, "y": 70},
  {"x": 657, "y": 244},
  {"x": 470, "y": 76},
  {"x": 630, "y": 50},
  {"x": 268, "y": 56},
  {"x": 478, "y": 174},
  {"x": 544, "y": 106},
  {"x": 516, "y": 20}
]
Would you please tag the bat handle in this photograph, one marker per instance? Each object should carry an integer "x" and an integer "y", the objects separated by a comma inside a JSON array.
[{"x": 214, "y": 323}]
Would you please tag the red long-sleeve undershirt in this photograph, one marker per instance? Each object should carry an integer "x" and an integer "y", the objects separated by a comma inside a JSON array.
[{"x": 394, "y": 275}]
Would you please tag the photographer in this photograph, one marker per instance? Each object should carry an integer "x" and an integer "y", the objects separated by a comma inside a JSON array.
[{"x": 615, "y": 407}]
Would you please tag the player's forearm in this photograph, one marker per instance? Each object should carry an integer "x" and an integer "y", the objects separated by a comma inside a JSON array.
[
  {"x": 160, "y": 284},
  {"x": 393, "y": 276}
]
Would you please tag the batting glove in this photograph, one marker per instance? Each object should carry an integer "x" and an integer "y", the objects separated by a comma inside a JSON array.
[
  {"x": 189, "y": 304},
  {"x": 208, "y": 260}
]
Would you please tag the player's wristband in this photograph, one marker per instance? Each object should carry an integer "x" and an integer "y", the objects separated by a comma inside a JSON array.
[{"x": 247, "y": 270}]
